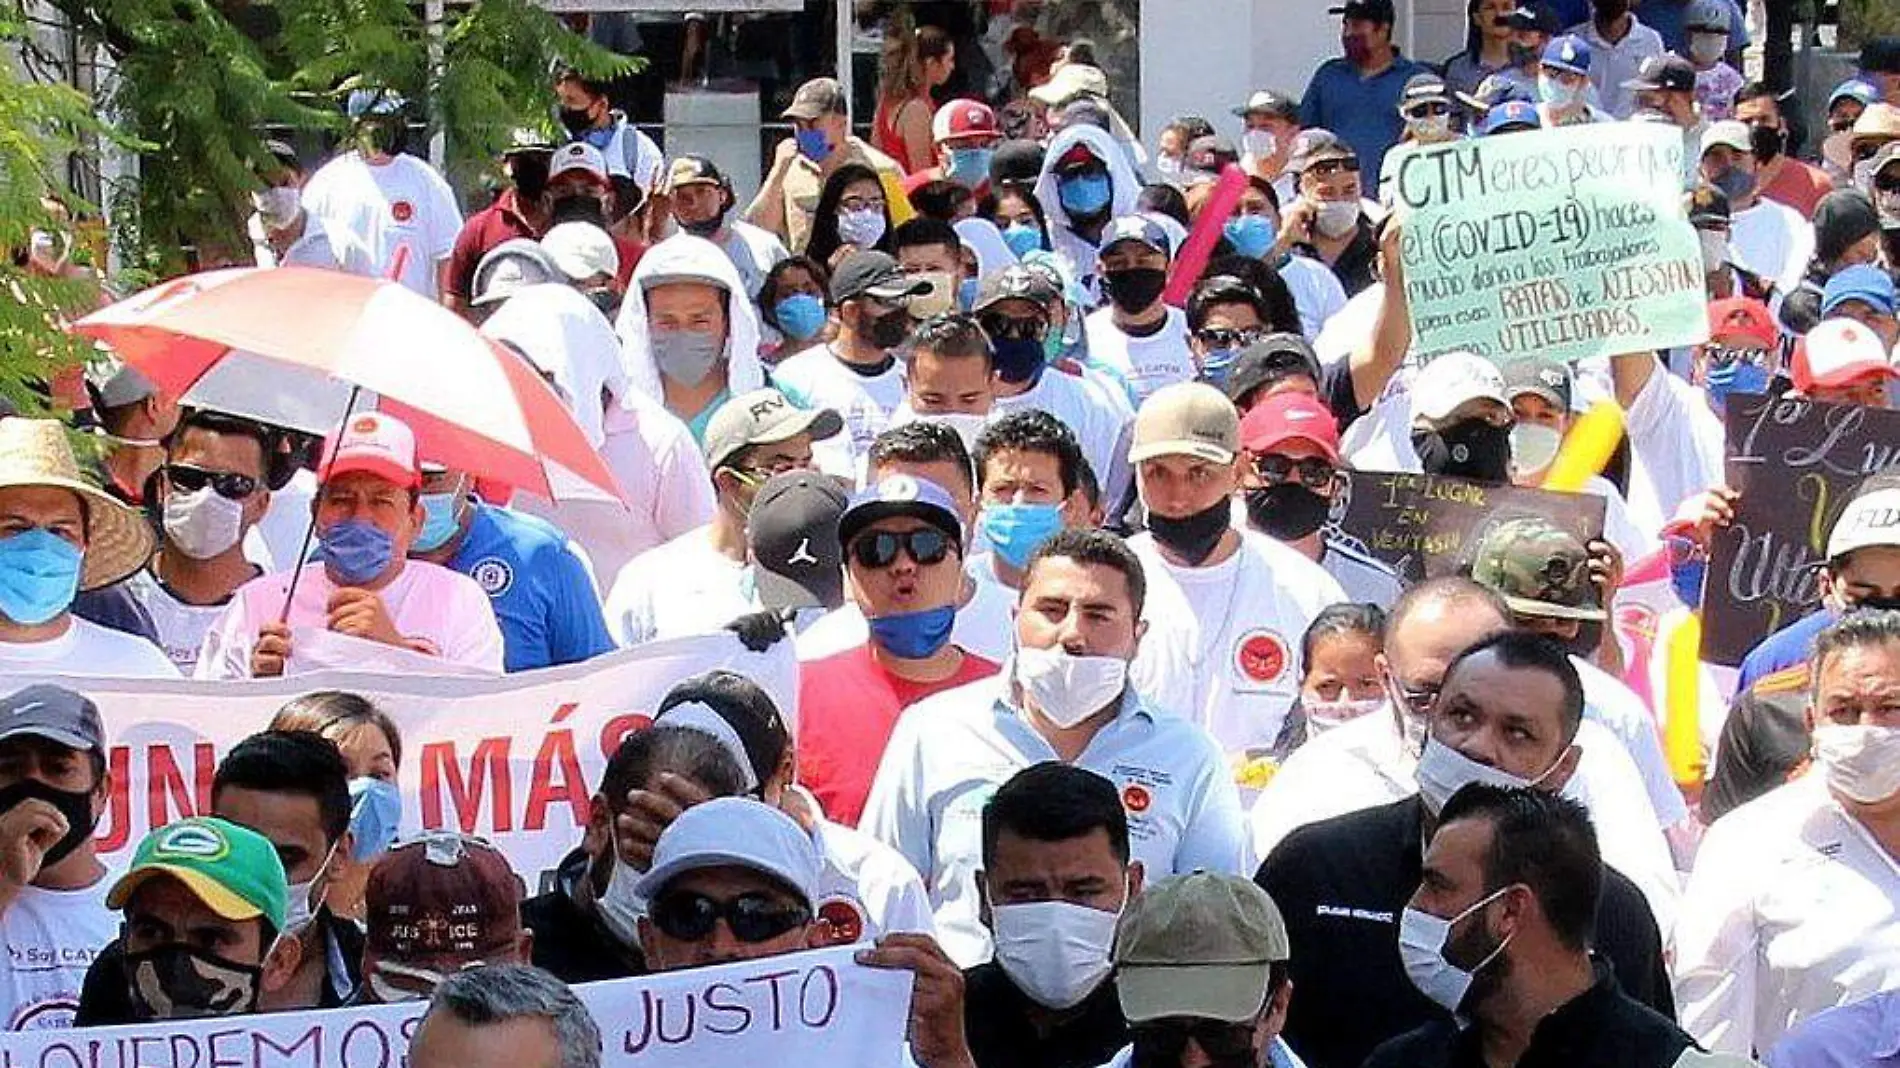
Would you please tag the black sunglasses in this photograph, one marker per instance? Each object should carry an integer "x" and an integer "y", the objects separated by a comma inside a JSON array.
[
  {"x": 1333, "y": 166},
  {"x": 1887, "y": 183},
  {"x": 878, "y": 549},
  {"x": 1420, "y": 701},
  {"x": 754, "y": 917},
  {"x": 229, "y": 484},
  {"x": 1419, "y": 111},
  {"x": 1220, "y": 337},
  {"x": 1312, "y": 471},
  {"x": 1005, "y": 327},
  {"x": 1164, "y": 1041}
]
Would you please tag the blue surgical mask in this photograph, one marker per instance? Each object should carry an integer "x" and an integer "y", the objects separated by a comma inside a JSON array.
[
  {"x": 1687, "y": 579},
  {"x": 1022, "y": 239},
  {"x": 969, "y": 166},
  {"x": 438, "y": 521},
  {"x": 1216, "y": 364},
  {"x": 812, "y": 144},
  {"x": 600, "y": 137},
  {"x": 1557, "y": 94},
  {"x": 1736, "y": 376},
  {"x": 39, "y": 574},
  {"x": 375, "y": 814},
  {"x": 1084, "y": 194},
  {"x": 1251, "y": 235},
  {"x": 914, "y": 635},
  {"x": 1017, "y": 530},
  {"x": 800, "y": 316},
  {"x": 966, "y": 294},
  {"x": 356, "y": 551}
]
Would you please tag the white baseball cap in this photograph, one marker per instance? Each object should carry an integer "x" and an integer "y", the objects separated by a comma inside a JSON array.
[
  {"x": 1731, "y": 133},
  {"x": 578, "y": 156},
  {"x": 1452, "y": 380},
  {"x": 1871, "y": 518},
  {"x": 735, "y": 832},
  {"x": 1838, "y": 351},
  {"x": 582, "y": 250}
]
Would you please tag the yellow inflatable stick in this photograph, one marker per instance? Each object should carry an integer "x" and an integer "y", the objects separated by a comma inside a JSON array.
[
  {"x": 1682, "y": 735},
  {"x": 1587, "y": 447}
]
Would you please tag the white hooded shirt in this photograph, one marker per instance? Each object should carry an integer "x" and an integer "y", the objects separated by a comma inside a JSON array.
[
  {"x": 685, "y": 258},
  {"x": 1079, "y": 255}
]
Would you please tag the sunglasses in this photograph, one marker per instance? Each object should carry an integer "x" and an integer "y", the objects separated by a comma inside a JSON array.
[
  {"x": 1419, "y": 700},
  {"x": 1420, "y": 111},
  {"x": 1312, "y": 471},
  {"x": 1327, "y": 167},
  {"x": 1007, "y": 328},
  {"x": 1887, "y": 183},
  {"x": 878, "y": 549},
  {"x": 1220, "y": 337},
  {"x": 1722, "y": 356},
  {"x": 751, "y": 918},
  {"x": 1165, "y": 1041},
  {"x": 229, "y": 484}
]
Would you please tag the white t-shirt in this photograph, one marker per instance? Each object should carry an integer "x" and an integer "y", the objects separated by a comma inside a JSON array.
[
  {"x": 317, "y": 247},
  {"x": 88, "y": 649},
  {"x": 1316, "y": 292},
  {"x": 181, "y": 627},
  {"x": 1145, "y": 363},
  {"x": 817, "y": 378},
  {"x": 388, "y": 208},
  {"x": 424, "y": 601},
  {"x": 886, "y": 889},
  {"x": 1677, "y": 443},
  {"x": 754, "y": 251},
  {"x": 1223, "y": 642},
  {"x": 680, "y": 588},
  {"x": 986, "y": 626},
  {"x": 52, "y": 937},
  {"x": 1773, "y": 240},
  {"x": 1101, "y": 424}
]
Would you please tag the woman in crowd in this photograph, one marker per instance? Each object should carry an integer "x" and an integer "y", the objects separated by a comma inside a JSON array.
[
  {"x": 372, "y": 748},
  {"x": 852, "y": 213},
  {"x": 795, "y": 301},
  {"x": 915, "y": 63}
]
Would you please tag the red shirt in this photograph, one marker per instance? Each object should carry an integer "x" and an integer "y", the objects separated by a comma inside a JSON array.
[
  {"x": 484, "y": 230},
  {"x": 1798, "y": 185},
  {"x": 848, "y": 705}
]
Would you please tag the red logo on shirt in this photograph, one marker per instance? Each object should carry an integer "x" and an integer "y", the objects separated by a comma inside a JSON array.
[
  {"x": 1261, "y": 656},
  {"x": 403, "y": 210},
  {"x": 844, "y": 917},
  {"x": 1136, "y": 798}
]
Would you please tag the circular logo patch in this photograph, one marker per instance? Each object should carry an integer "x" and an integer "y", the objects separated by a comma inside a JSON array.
[
  {"x": 845, "y": 918},
  {"x": 1261, "y": 656},
  {"x": 493, "y": 575},
  {"x": 191, "y": 840},
  {"x": 403, "y": 211},
  {"x": 1136, "y": 798}
]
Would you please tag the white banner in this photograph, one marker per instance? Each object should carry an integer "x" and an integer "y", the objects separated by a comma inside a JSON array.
[
  {"x": 817, "y": 1007},
  {"x": 512, "y": 758}
]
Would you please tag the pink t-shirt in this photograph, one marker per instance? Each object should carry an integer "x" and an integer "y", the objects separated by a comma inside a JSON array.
[{"x": 425, "y": 601}]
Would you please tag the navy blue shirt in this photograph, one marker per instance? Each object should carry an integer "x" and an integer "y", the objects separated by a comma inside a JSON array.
[
  {"x": 1364, "y": 112},
  {"x": 1785, "y": 648},
  {"x": 543, "y": 600}
]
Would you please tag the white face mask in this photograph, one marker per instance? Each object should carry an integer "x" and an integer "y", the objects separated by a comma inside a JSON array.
[
  {"x": 1862, "y": 762},
  {"x": 939, "y": 300},
  {"x": 1430, "y": 129},
  {"x": 1422, "y": 938},
  {"x": 1533, "y": 447},
  {"x": 1260, "y": 144},
  {"x": 1443, "y": 771},
  {"x": 620, "y": 907},
  {"x": 1054, "y": 951},
  {"x": 1068, "y": 689},
  {"x": 299, "y": 910},
  {"x": 1707, "y": 48},
  {"x": 203, "y": 524},
  {"x": 1336, "y": 218},
  {"x": 1322, "y": 716},
  {"x": 862, "y": 228}
]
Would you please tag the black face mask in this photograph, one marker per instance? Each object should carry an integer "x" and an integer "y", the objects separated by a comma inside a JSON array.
[
  {"x": 1018, "y": 359},
  {"x": 1135, "y": 289},
  {"x": 75, "y": 805},
  {"x": 1765, "y": 142},
  {"x": 529, "y": 171},
  {"x": 578, "y": 207},
  {"x": 576, "y": 121},
  {"x": 176, "y": 982},
  {"x": 886, "y": 331},
  {"x": 607, "y": 301},
  {"x": 1881, "y": 604},
  {"x": 1473, "y": 449},
  {"x": 1288, "y": 511},
  {"x": 704, "y": 227},
  {"x": 1521, "y": 55},
  {"x": 1192, "y": 537}
]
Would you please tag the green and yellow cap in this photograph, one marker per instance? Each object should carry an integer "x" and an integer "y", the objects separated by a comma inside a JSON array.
[{"x": 232, "y": 869}]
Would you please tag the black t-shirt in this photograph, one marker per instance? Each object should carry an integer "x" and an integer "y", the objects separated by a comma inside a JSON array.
[
  {"x": 997, "y": 1023},
  {"x": 1336, "y": 392},
  {"x": 571, "y": 942},
  {"x": 1342, "y": 883},
  {"x": 1354, "y": 266},
  {"x": 1764, "y": 740}
]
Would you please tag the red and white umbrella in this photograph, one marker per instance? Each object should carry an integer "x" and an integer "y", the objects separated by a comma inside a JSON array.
[{"x": 474, "y": 404}]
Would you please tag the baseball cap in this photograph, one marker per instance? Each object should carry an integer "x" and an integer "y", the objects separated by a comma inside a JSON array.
[
  {"x": 513, "y": 265},
  {"x": 442, "y": 895},
  {"x": 763, "y": 417},
  {"x": 1542, "y": 376},
  {"x": 1270, "y": 102},
  {"x": 793, "y": 533},
  {"x": 816, "y": 98},
  {"x": 869, "y": 273},
  {"x": 900, "y": 495},
  {"x": 1708, "y": 206},
  {"x": 1853, "y": 89},
  {"x": 1211, "y": 152},
  {"x": 54, "y": 713},
  {"x": 962, "y": 120},
  {"x": 1186, "y": 419},
  {"x": 1267, "y": 359},
  {"x": 1424, "y": 88},
  {"x": 1201, "y": 944},
  {"x": 693, "y": 170},
  {"x": 1863, "y": 282},
  {"x": 1136, "y": 228},
  {"x": 737, "y": 711},
  {"x": 1879, "y": 122},
  {"x": 367, "y": 101},
  {"x": 1535, "y": 16},
  {"x": 1452, "y": 380},
  {"x": 1371, "y": 11},
  {"x": 1708, "y": 15},
  {"x": 1666, "y": 72},
  {"x": 1510, "y": 116},
  {"x": 1316, "y": 145},
  {"x": 1741, "y": 317},
  {"x": 1568, "y": 53},
  {"x": 1880, "y": 55},
  {"x": 1017, "y": 282},
  {"x": 232, "y": 870},
  {"x": 1730, "y": 133},
  {"x": 1872, "y": 517},
  {"x": 582, "y": 251},
  {"x": 1290, "y": 416},
  {"x": 1016, "y": 160},
  {"x": 376, "y": 444},
  {"x": 116, "y": 383},
  {"x": 1538, "y": 568},
  {"x": 578, "y": 156},
  {"x": 1838, "y": 351},
  {"x": 734, "y": 832}
]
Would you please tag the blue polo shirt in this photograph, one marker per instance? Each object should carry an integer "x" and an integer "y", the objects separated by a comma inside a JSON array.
[
  {"x": 1783, "y": 649},
  {"x": 543, "y": 600},
  {"x": 1364, "y": 112}
]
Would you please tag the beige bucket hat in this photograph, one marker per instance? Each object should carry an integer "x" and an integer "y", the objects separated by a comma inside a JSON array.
[{"x": 35, "y": 452}]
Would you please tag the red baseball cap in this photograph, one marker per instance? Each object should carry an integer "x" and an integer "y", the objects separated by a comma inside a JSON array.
[
  {"x": 1839, "y": 351},
  {"x": 962, "y": 120},
  {"x": 378, "y": 444},
  {"x": 1288, "y": 416},
  {"x": 1744, "y": 317}
]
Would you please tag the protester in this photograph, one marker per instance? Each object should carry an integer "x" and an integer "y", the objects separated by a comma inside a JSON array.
[
  {"x": 794, "y": 302},
  {"x": 1357, "y": 94},
  {"x": 931, "y": 250},
  {"x": 283, "y": 234},
  {"x": 820, "y": 144},
  {"x": 372, "y": 753},
  {"x": 1489, "y": 38},
  {"x": 1765, "y": 235},
  {"x": 1029, "y": 481},
  {"x": 1780, "y": 176},
  {"x": 1665, "y": 92},
  {"x": 588, "y": 116},
  {"x": 1842, "y": 362},
  {"x": 362, "y": 586},
  {"x": 1619, "y": 44},
  {"x": 853, "y": 215},
  {"x": 1673, "y": 435},
  {"x": 204, "y": 914},
  {"x": 1138, "y": 338},
  {"x": 589, "y": 260},
  {"x": 1342, "y": 681},
  {"x": 1542, "y": 395},
  {"x": 1425, "y": 104},
  {"x": 53, "y": 914},
  {"x": 1272, "y": 120},
  {"x": 1256, "y": 232},
  {"x": 1563, "y": 85},
  {"x": 505, "y": 1016},
  {"x": 914, "y": 64},
  {"x": 701, "y": 200},
  {"x": 584, "y": 187},
  {"x": 1520, "y": 868},
  {"x": 520, "y": 210},
  {"x": 435, "y": 906},
  {"x": 1327, "y": 221},
  {"x": 1085, "y": 181},
  {"x": 1865, "y": 294},
  {"x": 965, "y": 136}
]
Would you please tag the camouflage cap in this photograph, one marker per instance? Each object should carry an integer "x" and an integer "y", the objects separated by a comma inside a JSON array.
[{"x": 1538, "y": 568}]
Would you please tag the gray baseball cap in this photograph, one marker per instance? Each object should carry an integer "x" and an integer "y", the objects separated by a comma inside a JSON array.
[
  {"x": 1202, "y": 944},
  {"x": 763, "y": 417},
  {"x": 54, "y": 713}
]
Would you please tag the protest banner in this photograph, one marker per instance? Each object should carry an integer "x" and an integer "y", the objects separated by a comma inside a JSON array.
[
  {"x": 1796, "y": 463},
  {"x": 1566, "y": 244},
  {"x": 816, "y": 1007},
  {"x": 1424, "y": 526},
  {"x": 512, "y": 758}
]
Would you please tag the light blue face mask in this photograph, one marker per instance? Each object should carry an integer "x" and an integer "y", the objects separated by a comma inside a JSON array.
[
  {"x": 1251, "y": 235},
  {"x": 800, "y": 316},
  {"x": 375, "y": 815},
  {"x": 1017, "y": 530},
  {"x": 969, "y": 167},
  {"x": 1084, "y": 194},
  {"x": 966, "y": 294},
  {"x": 438, "y": 521},
  {"x": 1022, "y": 239},
  {"x": 39, "y": 575}
]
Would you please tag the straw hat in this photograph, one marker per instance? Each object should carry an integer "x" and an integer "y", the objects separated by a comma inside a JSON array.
[{"x": 34, "y": 452}]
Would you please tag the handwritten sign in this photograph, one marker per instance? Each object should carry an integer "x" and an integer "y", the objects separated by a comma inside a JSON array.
[
  {"x": 817, "y": 1007},
  {"x": 1424, "y": 526},
  {"x": 1566, "y": 244},
  {"x": 1796, "y": 463}
]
